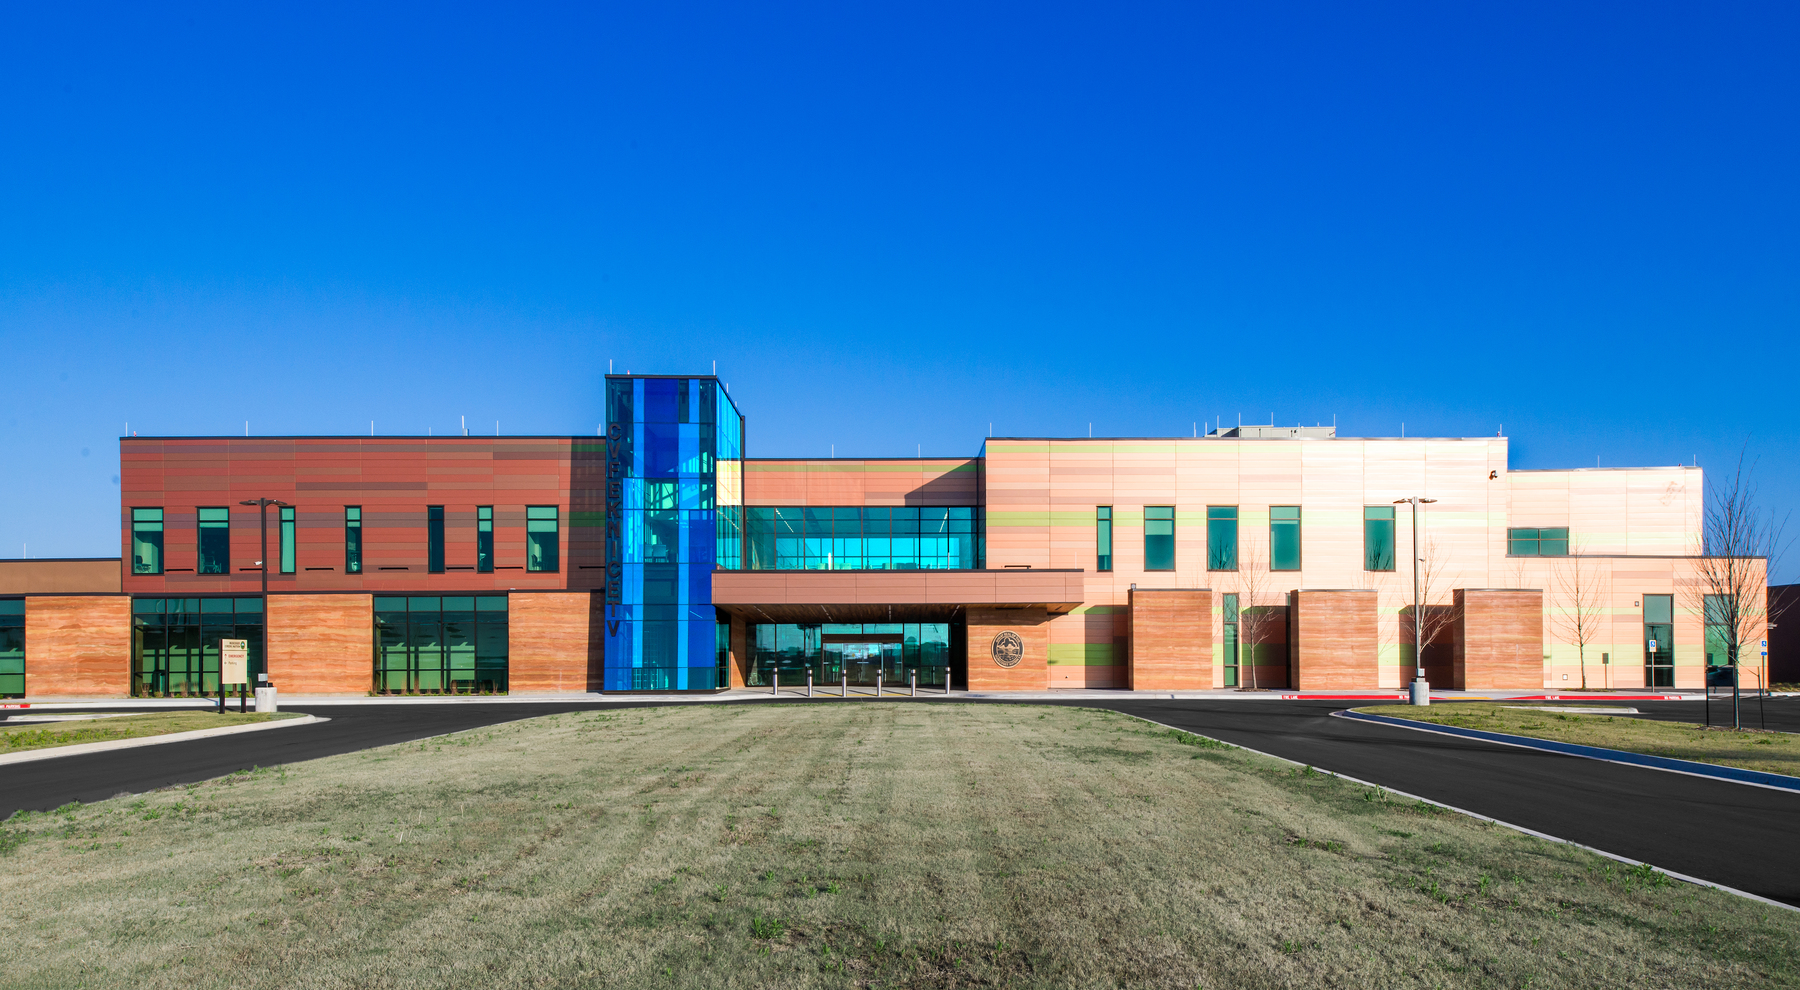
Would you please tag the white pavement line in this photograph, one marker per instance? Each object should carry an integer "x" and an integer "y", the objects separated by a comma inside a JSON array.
[
  {"x": 1534, "y": 833},
  {"x": 1525, "y": 744},
  {"x": 80, "y": 749}
]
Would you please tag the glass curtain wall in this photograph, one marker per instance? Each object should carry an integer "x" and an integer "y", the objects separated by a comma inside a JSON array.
[
  {"x": 832, "y": 651},
  {"x": 12, "y": 647},
  {"x": 175, "y": 643},
  {"x": 663, "y": 528},
  {"x": 859, "y": 538},
  {"x": 441, "y": 645}
]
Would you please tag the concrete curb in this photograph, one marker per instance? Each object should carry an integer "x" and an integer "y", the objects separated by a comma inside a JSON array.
[
  {"x": 1735, "y": 775},
  {"x": 1534, "y": 833},
  {"x": 81, "y": 749}
]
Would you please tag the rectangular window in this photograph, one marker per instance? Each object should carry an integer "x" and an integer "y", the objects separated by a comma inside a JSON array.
[
  {"x": 352, "y": 539},
  {"x": 541, "y": 538},
  {"x": 287, "y": 539},
  {"x": 1378, "y": 537},
  {"x": 1284, "y": 537},
  {"x": 1538, "y": 542},
  {"x": 434, "y": 539},
  {"x": 1231, "y": 640},
  {"x": 215, "y": 540},
  {"x": 12, "y": 647},
  {"x": 484, "y": 538},
  {"x": 1103, "y": 538},
  {"x": 1221, "y": 537},
  {"x": 1159, "y": 537},
  {"x": 146, "y": 541}
]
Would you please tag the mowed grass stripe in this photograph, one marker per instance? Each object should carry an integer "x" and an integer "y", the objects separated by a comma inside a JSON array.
[{"x": 874, "y": 845}]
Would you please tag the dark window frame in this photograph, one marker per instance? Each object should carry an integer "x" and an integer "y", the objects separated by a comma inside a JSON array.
[
  {"x": 287, "y": 550},
  {"x": 201, "y": 526},
  {"x": 1519, "y": 545},
  {"x": 161, "y": 531},
  {"x": 1170, "y": 537},
  {"x": 484, "y": 539},
  {"x": 1103, "y": 538},
  {"x": 555, "y": 555},
  {"x": 353, "y": 539},
  {"x": 1214, "y": 560},
  {"x": 1393, "y": 538},
  {"x": 434, "y": 539},
  {"x": 1298, "y": 522}
]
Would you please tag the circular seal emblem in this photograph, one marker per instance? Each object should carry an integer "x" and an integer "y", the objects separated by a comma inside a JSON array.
[{"x": 1009, "y": 649}]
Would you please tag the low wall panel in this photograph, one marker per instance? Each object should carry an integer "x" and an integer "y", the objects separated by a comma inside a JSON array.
[
  {"x": 79, "y": 645},
  {"x": 321, "y": 644}
]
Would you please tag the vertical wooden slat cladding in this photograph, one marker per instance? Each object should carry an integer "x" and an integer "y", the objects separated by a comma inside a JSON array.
[
  {"x": 1033, "y": 627},
  {"x": 549, "y": 641},
  {"x": 77, "y": 645},
  {"x": 321, "y": 644},
  {"x": 1335, "y": 646},
  {"x": 1499, "y": 639},
  {"x": 1171, "y": 639},
  {"x": 393, "y": 479},
  {"x": 887, "y": 481}
]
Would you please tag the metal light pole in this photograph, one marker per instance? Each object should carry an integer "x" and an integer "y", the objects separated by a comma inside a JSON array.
[
  {"x": 1421, "y": 689},
  {"x": 262, "y": 505}
]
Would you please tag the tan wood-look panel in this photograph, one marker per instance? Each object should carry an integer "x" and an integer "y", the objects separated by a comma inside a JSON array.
[
  {"x": 548, "y": 641},
  {"x": 78, "y": 645},
  {"x": 1334, "y": 644},
  {"x": 1033, "y": 627},
  {"x": 321, "y": 644},
  {"x": 59, "y": 577},
  {"x": 1171, "y": 645},
  {"x": 1499, "y": 640}
]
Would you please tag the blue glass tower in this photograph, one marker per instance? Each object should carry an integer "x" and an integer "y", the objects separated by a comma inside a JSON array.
[{"x": 674, "y": 513}]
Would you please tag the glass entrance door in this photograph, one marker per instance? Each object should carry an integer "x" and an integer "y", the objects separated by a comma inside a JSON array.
[
  {"x": 861, "y": 661},
  {"x": 1659, "y": 645}
]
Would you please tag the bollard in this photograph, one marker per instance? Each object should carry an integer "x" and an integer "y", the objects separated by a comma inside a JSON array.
[
  {"x": 844, "y": 689},
  {"x": 946, "y": 682},
  {"x": 809, "y": 682},
  {"x": 877, "y": 682},
  {"x": 915, "y": 685},
  {"x": 774, "y": 682}
]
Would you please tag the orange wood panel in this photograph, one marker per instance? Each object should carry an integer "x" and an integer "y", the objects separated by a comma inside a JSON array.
[
  {"x": 1032, "y": 626},
  {"x": 1171, "y": 641},
  {"x": 78, "y": 645},
  {"x": 1499, "y": 639},
  {"x": 548, "y": 641},
  {"x": 1335, "y": 644},
  {"x": 321, "y": 644}
]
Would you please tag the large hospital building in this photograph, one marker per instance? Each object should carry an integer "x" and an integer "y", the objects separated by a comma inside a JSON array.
[{"x": 660, "y": 557}]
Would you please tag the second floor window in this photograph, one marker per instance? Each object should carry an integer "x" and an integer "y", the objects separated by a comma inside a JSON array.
[
  {"x": 215, "y": 540},
  {"x": 434, "y": 539},
  {"x": 1159, "y": 537},
  {"x": 1221, "y": 537},
  {"x": 146, "y": 541},
  {"x": 540, "y": 538},
  {"x": 1378, "y": 537},
  {"x": 1538, "y": 542},
  {"x": 1284, "y": 537},
  {"x": 287, "y": 539},
  {"x": 1103, "y": 538},
  {"x": 352, "y": 539},
  {"x": 484, "y": 538}
]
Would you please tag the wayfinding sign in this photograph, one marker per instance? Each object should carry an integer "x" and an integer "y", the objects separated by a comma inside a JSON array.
[{"x": 234, "y": 661}]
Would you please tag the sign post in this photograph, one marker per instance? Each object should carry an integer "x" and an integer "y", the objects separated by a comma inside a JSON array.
[{"x": 234, "y": 668}]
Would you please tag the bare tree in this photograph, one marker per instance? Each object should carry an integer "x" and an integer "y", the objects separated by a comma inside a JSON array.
[
  {"x": 1435, "y": 582},
  {"x": 1256, "y": 612},
  {"x": 1581, "y": 605},
  {"x": 1741, "y": 542}
]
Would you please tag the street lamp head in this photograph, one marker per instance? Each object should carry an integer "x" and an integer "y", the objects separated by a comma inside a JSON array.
[{"x": 1428, "y": 500}]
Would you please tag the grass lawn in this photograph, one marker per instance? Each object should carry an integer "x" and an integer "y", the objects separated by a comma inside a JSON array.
[
  {"x": 836, "y": 845},
  {"x": 1770, "y": 752},
  {"x": 43, "y": 735}
]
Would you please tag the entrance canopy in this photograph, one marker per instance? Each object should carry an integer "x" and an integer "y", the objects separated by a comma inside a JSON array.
[{"x": 889, "y": 596}]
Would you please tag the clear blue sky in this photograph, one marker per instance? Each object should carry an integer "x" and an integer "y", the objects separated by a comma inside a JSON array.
[{"x": 892, "y": 225}]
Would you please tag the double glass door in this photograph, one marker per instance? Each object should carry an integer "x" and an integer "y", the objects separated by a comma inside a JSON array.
[{"x": 860, "y": 662}]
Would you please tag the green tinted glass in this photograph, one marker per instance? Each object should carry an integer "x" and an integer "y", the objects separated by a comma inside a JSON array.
[
  {"x": 1284, "y": 538},
  {"x": 1159, "y": 538},
  {"x": 1221, "y": 537},
  {"x": 1378, "y": 538}
]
